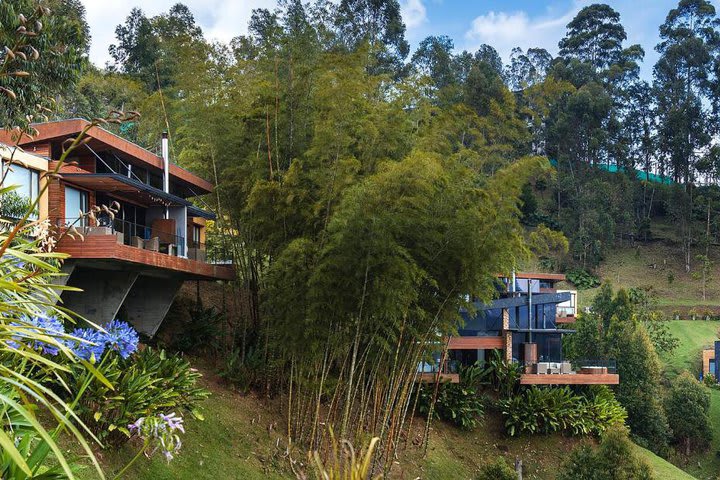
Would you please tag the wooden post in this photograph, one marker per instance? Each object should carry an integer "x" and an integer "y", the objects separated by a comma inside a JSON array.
[{"x": 518, "y": 467}]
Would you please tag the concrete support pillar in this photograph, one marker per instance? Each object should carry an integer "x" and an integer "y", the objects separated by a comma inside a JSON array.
[
  {"x": 61, "y": 280},
  {"x": 103, "y": 292},
  {"x": 149, "y": 301}
]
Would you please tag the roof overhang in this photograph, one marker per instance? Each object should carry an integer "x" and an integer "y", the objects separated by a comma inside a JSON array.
[
  {"x": 114, "y": 183},
  {"x": 68, "y": 128}
]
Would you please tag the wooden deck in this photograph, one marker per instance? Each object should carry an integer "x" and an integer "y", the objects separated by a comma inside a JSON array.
[
  {"x": 569, "y": 379},
  {"x": 444, "y": 377},
  {"x": 475, "y": 343},
  {"x": 565, "y": 320},
  {"x": 106, "y": 247}
]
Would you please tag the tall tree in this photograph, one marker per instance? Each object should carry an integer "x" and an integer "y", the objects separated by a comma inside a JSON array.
[
  {"x": 594, "y": 36},
  {"x": 28, "y": 79},
  {"x": 380, "y": 24},
  {"x": 689, "y": 43}
]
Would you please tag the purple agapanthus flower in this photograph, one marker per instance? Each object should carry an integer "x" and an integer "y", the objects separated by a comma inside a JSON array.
[
  {"x": 91, "y": 344},
  {"x": 121, "y": 338},
  {"x": 48, "y": 326}
]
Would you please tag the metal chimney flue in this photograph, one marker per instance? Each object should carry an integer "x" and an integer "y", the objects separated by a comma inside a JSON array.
[
  {"x": 166, "y": 162},
  {"x": 166, "y": 167}
]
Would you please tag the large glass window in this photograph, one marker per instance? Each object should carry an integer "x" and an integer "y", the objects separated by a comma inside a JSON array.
[
  {"x": 76, "y": 201},
  {"x": 26, "y": 180}
]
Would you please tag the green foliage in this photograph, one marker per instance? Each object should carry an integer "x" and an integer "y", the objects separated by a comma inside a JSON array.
[
  {"x": 547, "y": 410},
  {"x": 46, "y": 41},
  {"x": 13, "y": 206},
  {"x": 244, "y": 373},
  {"x": 614, "y": 330},
  {"x": 688, "y": 405},
  {"x": 497, "y": 470},
  {"x": 583, "y": 279},
  {"x": 505, "y": 376},
  {"x": 202, "y": 333},
  {"x": 614, "y": 459},
  {"x": 457, "y": 403},
  {"x": 709, "y": 380},
  {"x": 148, "y": 383}
]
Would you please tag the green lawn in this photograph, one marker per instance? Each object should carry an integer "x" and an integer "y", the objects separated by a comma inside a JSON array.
[
  {"x": 663, "y": 469},
  {"x": 234, "y": 441},
  {"x": 694, "y": 336}
]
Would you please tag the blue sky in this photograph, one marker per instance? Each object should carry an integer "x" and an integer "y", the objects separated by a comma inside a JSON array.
[{"x": 502, "y": 24}]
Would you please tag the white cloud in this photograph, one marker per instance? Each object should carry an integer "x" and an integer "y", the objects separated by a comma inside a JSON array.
[
  {"x": 504, "y": 31},
  {"x": 414, "y": 13}
]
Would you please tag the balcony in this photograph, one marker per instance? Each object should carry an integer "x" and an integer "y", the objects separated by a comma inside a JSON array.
[
  {"x": 120, "y": 240},
  {"x": 583, "y": 372}
]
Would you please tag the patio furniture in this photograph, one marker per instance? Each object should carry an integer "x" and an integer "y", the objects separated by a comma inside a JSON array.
[
  {"x": 566, "y": 368},
  {"x": 137, "y": 242},
  {"x": 153, "y": 244},
  {"x": 542, "y": 368},
  {"x": 554, "y": 368}
]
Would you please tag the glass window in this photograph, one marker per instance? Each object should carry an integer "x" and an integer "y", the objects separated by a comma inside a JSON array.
[
  {"x": 27, "y": 180},
  {"x": 76, "y": 201}
]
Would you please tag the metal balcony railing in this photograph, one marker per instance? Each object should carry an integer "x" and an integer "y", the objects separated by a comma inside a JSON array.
[{"x": 129, "y": 233}]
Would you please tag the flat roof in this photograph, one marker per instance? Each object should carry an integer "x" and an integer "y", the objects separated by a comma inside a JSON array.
[
  {"x": 114, "y": 182},
  {"x": 556, "y": 277},
  {"x": 63, "y": 128}
]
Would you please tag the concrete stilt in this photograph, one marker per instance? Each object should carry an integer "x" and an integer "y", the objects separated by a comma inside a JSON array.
[
  {"x": 149, "y": 301},
  {"x": 104, "y": 291}
]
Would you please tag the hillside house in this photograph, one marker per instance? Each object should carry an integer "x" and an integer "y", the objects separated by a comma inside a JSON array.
[
  {"x": 137, "y": 261},
  {"x": 526, "y": 323}
]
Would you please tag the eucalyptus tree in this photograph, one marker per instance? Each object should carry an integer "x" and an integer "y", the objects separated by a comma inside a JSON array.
[
  {"x": 380, "y": 24},
  {"x": 683, "y": 79},
  {"x": 527, "y": 69}
]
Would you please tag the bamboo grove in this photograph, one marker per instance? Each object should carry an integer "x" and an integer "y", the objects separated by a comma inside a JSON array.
[{"x": 366, "y": 192}]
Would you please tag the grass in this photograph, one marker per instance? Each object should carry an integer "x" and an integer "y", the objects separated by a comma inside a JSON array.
[
  {"x": 660, "y": 268},
  {"x": 662, "y": 468},
  {"x": 237, "y": 439},
  {"x": 694, "y": 336}
]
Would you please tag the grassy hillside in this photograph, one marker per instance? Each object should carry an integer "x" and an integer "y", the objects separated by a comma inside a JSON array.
[
  {"x": 241, "y": 438},
  {"x": 237, "y": 440},
  {"x": 659, "y": 266},
  {"x": 694, "y": 336}
]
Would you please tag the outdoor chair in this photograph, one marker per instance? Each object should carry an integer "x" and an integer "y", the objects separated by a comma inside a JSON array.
[
  {"x": 566, "y": 368},
  {"x": 542, "y": 368},
  {"x": 153, "y": 244},
  {"x": 137, "y": 242}
]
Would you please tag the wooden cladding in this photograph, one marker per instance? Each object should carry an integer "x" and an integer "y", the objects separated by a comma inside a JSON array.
[
  {"x": 569, "y": 379},
  {"x": 106, "y": 247},
  {"x": 476, "y": 343}
]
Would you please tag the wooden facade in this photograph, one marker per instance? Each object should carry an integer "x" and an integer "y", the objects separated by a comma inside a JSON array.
[{"x": 107, "y": 247}]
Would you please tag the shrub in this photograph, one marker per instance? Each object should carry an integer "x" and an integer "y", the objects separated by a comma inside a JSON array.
[
  {"x": 458, "y": 403},
  {"x": 614, "y": 459},
  {"x": 687, "y": 406},
  {"x": 549, "y": 410},
  {"x": 505, "y": 375},
  {"x": 146, "y": 384},
  {"x": 709, "y": 380},
  {"x": 497, "y": 470},
  {"x": 201, "y": 333},
  {"x": 243, "y": 374},
  {"x": 583, "y": 279}
]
